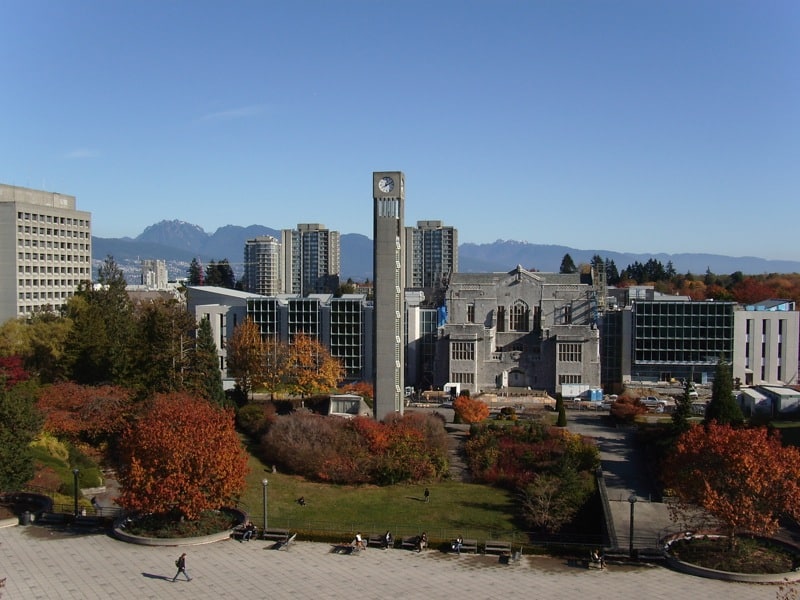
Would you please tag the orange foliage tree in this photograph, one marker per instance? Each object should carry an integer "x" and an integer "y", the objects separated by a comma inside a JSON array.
[
  {"x": 469, "y": 410},
  {"x": 183, "y": 456},
  {"x": 91, "y": 413},
  {"x": 744, "y": 477},
  {"x": 311, "y": 368}
]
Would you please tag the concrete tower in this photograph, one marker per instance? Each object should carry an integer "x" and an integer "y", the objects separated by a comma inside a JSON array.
[{"x": 389, "y": 196}]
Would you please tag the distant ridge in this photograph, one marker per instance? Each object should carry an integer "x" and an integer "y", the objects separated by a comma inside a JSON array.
[{"x": 178, "y": 242}]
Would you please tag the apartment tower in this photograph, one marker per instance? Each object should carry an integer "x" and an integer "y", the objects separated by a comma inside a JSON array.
[
  {"x": 45, "y": 250},
  {"x": 431, "y": 254},
  {"x": 262, "y": 265},
  {"x": 388, "y": 194},
  {"x": 310, "y": 260}
]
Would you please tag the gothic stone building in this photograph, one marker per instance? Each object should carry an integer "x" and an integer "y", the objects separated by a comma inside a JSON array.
[{"x": 520, "y": 329}]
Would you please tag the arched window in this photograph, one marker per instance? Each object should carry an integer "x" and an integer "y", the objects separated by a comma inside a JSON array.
[{"x": 518, "y": 319}]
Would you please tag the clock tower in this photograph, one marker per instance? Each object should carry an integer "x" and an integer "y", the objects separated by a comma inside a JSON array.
[{"x": 388, "y": 196}]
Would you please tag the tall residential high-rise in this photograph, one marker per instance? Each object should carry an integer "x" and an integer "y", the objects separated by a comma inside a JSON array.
[
  {"x": 389, "y": 195},
  {"x": 431, "y": 254},
  {"x": 154, "y": 274},
  {"x": 45, "y": 250},
  {"x": 310, "y": 259},
  {"x": 262, "y": 262}
]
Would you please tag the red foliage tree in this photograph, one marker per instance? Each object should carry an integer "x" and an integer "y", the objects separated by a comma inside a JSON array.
[
  {"x": 184, "y": 455},
  {"x": 469, "y": 410},
  {"x": 744, "y": 477},
  {"x": 12, "y": 371},
  {"x": 80, "y": 411}
]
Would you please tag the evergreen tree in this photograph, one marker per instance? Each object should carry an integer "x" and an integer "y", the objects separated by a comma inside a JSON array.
[
  {"x": 567, "y": 265},
  {"x": 683, "y": 410},
  {"x": 204, "y": 365},
  {"x": 723, "y": 408},
  {"x": 20, "y": 423},
  {"x": 195, "y": 273},
  {"x": 98, "y": 345},
  {"x": 562, "y": 412}
]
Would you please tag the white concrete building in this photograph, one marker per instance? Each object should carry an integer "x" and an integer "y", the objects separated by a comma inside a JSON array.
[{"x": 45, "y": 250}]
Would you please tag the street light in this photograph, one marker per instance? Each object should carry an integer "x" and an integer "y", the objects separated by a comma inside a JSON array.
[
  {"x": 632, "y": 500},
  {"x": 75, "y": 477},
  {"x": 265, "y": 483}
]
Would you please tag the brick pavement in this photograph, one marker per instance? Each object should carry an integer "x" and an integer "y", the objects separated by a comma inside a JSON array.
[{"x": 44, "y": 565}]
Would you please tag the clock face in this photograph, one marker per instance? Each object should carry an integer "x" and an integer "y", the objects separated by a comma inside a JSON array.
[{"x": 386, "y": 184}]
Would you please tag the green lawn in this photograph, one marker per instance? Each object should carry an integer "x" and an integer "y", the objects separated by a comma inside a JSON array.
[{"x": 336, "y": 512}]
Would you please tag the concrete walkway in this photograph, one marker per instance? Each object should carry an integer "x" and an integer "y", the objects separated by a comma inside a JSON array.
[{"x": 40, "y": 564}]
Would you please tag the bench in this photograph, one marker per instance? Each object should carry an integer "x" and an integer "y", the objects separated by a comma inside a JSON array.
[
  {"x": 497, "y": 547},
  {"x": 467, "y": 545},
  {"x": 90, "y": 522},
  {"x": 276, "y": 535},
  {"x": 237, "y": 533},
  {"x": 378, "y": 540},
  {"x": 47, "y": 518},
  {"x": 411, "y": 542}
]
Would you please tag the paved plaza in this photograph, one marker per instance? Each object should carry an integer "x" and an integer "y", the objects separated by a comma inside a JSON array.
[{"x": 43, "y": 564}]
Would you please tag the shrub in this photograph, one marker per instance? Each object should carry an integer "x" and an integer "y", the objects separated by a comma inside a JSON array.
[{"x": 469, "y": 410}]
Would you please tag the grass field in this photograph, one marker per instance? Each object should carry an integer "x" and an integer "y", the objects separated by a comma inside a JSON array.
[{"x": 337, "y": 512}]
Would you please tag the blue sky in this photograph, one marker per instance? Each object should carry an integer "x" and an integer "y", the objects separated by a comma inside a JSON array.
[{"x": 634, "y": 126}]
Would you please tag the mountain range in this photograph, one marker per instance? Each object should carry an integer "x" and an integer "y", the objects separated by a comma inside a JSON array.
[{"x": 178, "y": 242}]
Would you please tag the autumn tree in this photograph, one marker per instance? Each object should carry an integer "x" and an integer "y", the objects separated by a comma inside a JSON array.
[
  {"x": 744, "y": 477},
  {"x": 469, "y": 410},
  {"x": 246, "y": 358},
  {"x": 20, "y": 422},
  {"x": 311, "y": 368},
  {"x": 39, "y": 341},
  {"x": 184, "y": 456},
  {"x": 93, "y": 414},
  {"x": 276, "y": 364},
  {"x": 723, "y": 408}
]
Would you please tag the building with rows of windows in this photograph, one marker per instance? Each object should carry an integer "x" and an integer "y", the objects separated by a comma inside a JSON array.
[
  {"x": 45, "y": 250},
  {"x": 519, "y": 329}
]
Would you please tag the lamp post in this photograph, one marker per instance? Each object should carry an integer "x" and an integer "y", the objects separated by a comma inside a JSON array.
[
  {"x": 75, "y": 478},
  {"x": 265, "y": 483},
  {"x": 632, "y": 500}
]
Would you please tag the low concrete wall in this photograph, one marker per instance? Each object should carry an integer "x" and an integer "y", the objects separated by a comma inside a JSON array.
[{"x": 119, "y": 532}]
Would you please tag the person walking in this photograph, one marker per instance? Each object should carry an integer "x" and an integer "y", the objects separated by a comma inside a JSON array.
[
  {"x": 181, "y": 564},
  {"x": 427, "y": 494}
]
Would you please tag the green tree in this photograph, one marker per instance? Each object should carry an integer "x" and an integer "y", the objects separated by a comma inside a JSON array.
[
  {"x": 204, "y": 365},
  {"x": 220, "y": 274},
  {"x": 164, "y": 344},
  {"x": 683, "y": 409},
  {"x": 98, "y": 344},
  {"x": 195, "y": 273},
  {"x": 723, "y": 408},
  {"x": 20, "y": 423},
  {"x": 562, "y": 413},
  {"x": 567, "y": 265}
]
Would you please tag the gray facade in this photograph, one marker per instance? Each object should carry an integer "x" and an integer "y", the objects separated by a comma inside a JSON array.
[
  {"x": 765, "y": 350},
  {"x": 310, "y": 260},
  {"x": 388, "y": 195},
  {"x": 45, "y": 250},
  {"x": 518, "y": 329},
  {"x": 343, "y": 325}
]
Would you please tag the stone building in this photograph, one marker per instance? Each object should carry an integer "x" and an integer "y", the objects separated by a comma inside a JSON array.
[{"x": 521, "y": 329}]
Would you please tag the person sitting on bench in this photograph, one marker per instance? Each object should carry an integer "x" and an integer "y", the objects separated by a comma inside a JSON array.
[{"x": 358, "y": 542}]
